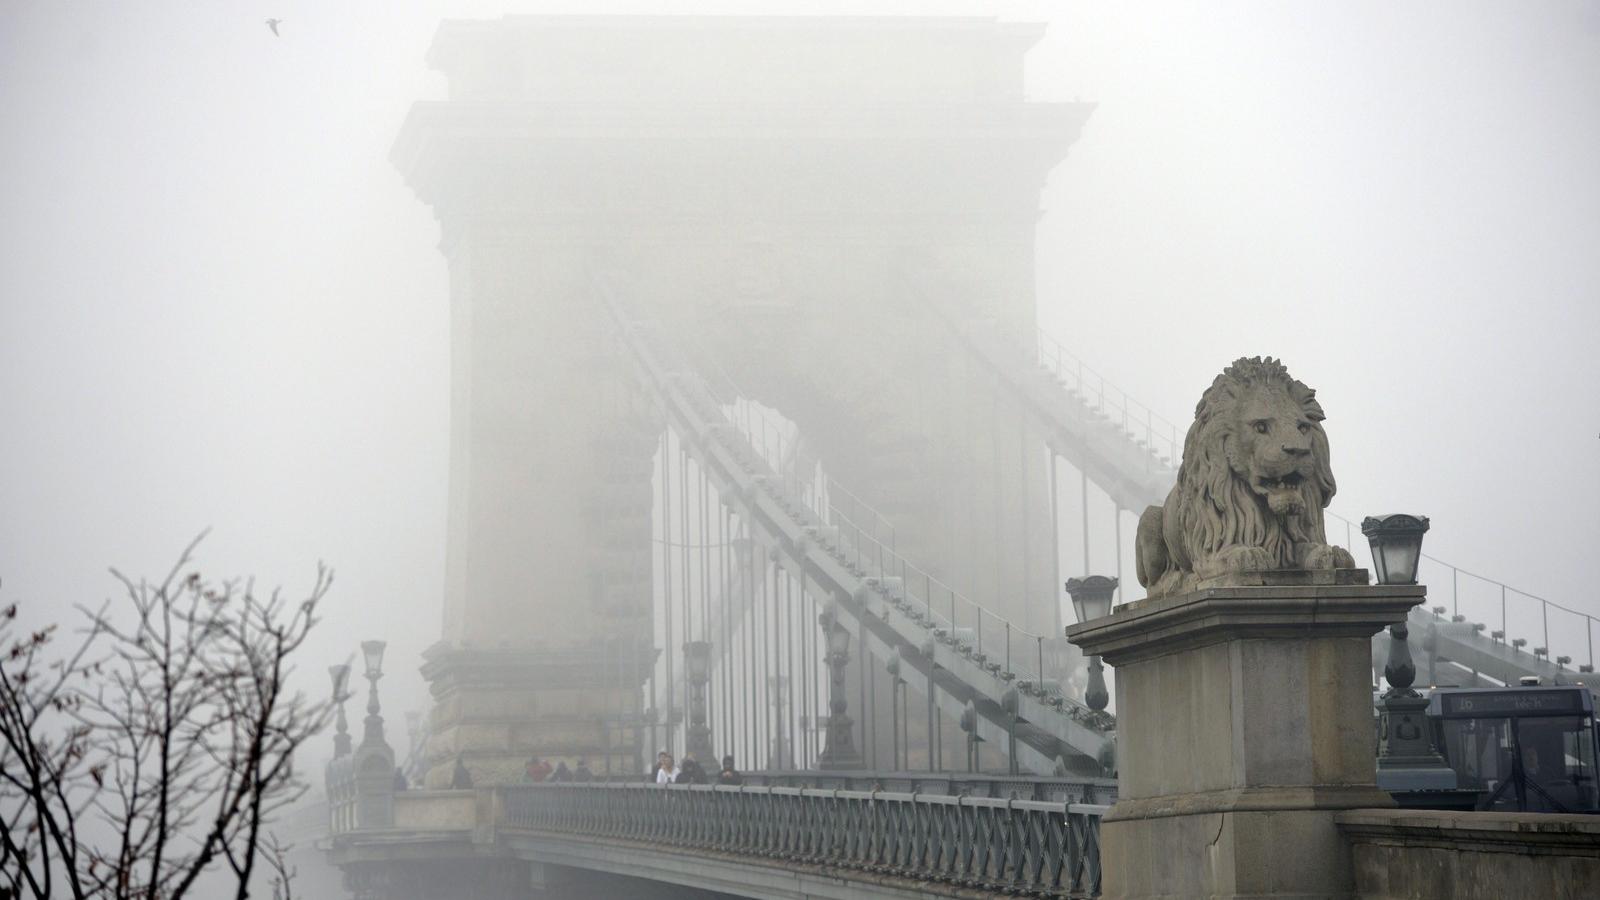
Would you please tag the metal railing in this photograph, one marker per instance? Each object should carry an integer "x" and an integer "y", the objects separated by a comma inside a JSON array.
[
  {"x": 1480, "y": 600},
  {"x": 1050, "y": 849},
  {"x": 1142, "y": 425},
  {"x": 1048, "y": 788}
]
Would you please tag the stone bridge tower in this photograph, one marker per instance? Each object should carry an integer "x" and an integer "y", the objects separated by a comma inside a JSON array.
[{"x": 823, "y": 203}]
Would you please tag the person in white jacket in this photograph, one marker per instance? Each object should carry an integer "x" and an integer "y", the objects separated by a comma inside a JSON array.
[{"x": 666, "y": 768}]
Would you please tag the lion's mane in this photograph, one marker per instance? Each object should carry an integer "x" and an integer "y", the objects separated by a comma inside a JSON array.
[{"x": 1212, "y": 506}]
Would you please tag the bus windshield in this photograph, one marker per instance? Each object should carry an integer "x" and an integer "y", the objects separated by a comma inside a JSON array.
[{"x": 1527, "y": 763}]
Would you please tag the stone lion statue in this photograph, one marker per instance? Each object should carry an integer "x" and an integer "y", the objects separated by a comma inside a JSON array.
[{"x": 1252, "y": 487}]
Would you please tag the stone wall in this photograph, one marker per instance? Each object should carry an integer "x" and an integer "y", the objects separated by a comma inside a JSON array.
[{"x": 1426, "y": 854}]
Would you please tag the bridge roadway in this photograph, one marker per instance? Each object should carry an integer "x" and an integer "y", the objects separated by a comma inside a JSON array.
[{"x": 750, "y": 841}]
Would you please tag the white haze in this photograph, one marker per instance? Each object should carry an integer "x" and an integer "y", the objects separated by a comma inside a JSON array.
[{"x": 219, "y": 306}]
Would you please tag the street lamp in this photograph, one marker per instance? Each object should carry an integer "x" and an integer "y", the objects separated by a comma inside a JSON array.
[
  {"x": 1091, "y": 596},
  {"x": 1396, "y": 541},
  {"x": 341, "y": 692},
  {"x": 898, "y": 738},
  {"x": 697, "y": 665},
  {"x": 839, "y": 752},
  {"x": 373, "y": 761},
  {"x": 778, "y": 755},
  {"x": 1091, "y": 599},
  {"x": 372, "y": 654}
]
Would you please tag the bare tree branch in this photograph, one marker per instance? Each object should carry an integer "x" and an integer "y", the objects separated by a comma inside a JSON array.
[{"x": 160, "y": 746}]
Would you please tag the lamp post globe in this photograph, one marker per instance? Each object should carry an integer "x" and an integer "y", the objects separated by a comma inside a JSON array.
[
  {"x": 1396, "y": 542},
  {"x": 1091, "y": 596},
  {"x": 372, "y": 653},
  {"x": 341, "y": 692},
  {"x": 341, "y": 682}
]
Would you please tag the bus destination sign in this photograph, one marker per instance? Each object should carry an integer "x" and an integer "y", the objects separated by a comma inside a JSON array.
[{"x": 1514, "y": 703}]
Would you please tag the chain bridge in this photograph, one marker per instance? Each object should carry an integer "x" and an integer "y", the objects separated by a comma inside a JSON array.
[{"x": 757, "y": 451}]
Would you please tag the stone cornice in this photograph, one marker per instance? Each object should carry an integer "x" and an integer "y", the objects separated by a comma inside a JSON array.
[
  {"x": 1503, "y": 832},
  {"x": 440, "y": 136},
  {"x": 1149, "y": 628},
  {"x": 1251, "y": 799},
  {"x": 448, "y": 668}
]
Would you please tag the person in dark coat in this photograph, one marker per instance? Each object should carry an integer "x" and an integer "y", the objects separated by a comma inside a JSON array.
[
  {"x": 562, "y": 773},
  {"x": 460, "y": 779},
  {"x": 690, "y": 772},
  {"x": 400, "y": 782},
  {"x": 729, "y": 775},
  {"x": 582, "y": 772}
]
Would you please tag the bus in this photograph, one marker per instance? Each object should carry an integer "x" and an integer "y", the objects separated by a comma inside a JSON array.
[{"x": 1524, "y": 749}]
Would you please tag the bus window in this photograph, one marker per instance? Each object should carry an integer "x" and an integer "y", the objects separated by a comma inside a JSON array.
[
  {"x": 1557, "y": 763},
  {"x": 1479, "y": 750}
]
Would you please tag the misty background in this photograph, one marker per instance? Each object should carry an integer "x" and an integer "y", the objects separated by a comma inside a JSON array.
[{"x": 220, "y": 307}]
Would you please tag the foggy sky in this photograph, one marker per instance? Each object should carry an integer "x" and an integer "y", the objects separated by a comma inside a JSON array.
[{"x": 220, "y": 307}]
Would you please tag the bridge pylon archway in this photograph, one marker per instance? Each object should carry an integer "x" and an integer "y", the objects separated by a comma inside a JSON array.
[{"x": 769, "y": 187}]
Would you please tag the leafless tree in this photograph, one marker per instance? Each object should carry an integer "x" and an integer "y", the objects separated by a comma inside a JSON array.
[{"x": 154, "y": 751}]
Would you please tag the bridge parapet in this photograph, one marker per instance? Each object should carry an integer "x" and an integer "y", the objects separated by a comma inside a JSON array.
[{"x": 985, "y": 843}]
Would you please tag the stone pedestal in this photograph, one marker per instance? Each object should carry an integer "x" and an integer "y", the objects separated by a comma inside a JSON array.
[
  {"x": 1244, "y": 723},
  {"x": 495, "y": 708}
]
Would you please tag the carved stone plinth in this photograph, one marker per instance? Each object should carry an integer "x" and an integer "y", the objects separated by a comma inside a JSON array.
[
  {"x": 1244, "y": 718},
  {"x": 496, "y": 708}
]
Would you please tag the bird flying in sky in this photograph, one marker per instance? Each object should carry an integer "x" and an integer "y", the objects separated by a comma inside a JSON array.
[{"x": 273, "y": 24}]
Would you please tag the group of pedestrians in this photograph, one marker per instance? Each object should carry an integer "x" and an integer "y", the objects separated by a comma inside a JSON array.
[
  {"x": 668, "y": 771},
  {"x": 538, "y": 769}
]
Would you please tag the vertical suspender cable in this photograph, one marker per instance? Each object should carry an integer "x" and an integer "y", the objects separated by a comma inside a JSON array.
[
  {"x": 807, "y": 711},
  {"x": 1028, "y": 602},
  {"x": 749, "y": 600},
  {"x": 1055, "y": 553},
  {"x": 1083, "y": 502},
  {"x": 727, "y": 632},
  {"x": 770, "y": 601},
  {"x": 666, "y": 578},
  {"x": 1116, "y": 520},
  {"x": 686, "y": 558}
]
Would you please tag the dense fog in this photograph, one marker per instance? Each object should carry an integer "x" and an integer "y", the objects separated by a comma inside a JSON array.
[{"x": 221, "y": 308}]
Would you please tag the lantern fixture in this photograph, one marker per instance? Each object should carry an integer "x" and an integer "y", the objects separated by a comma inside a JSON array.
[
  {"x": 341, "y": 682},
  {"x": 1091, "y": 596},
  {"x": 1396, "y": 542},
  {"x": 838, "y": 635},
  {"x": 698, "y": 656},
  {"x": 372, "y": 652}
]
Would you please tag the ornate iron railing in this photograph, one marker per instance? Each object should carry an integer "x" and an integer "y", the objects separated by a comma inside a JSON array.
[{"x": 976, "y": 842}]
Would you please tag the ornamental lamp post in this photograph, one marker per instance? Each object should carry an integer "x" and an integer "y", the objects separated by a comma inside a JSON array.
[
  {"x": 1396, "y": 542},
  {"x": 374, "y": 759},
  {"x": 1407, "y": 760},
  {"x": 969, "y": 724},
  {"x": 697, "y": 737},
  {"x": 1091, "y": 599},
  {"x": 839, "y": 751},
  {"x": 341, "y": 693},
  {"x": 372, "y": 654},
  {"x": 778, "y": 755}
]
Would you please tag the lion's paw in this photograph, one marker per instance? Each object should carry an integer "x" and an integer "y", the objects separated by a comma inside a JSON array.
[
  {"x": 1326, "y": 556},
  {"x": 1237, "y": 558}
]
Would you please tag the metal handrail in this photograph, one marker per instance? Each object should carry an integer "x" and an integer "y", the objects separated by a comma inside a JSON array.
[
  {"x": 1052, "y": 849},
  {"x": 1507, "y": 593},
  {"x": 1094, "y": 390}
]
